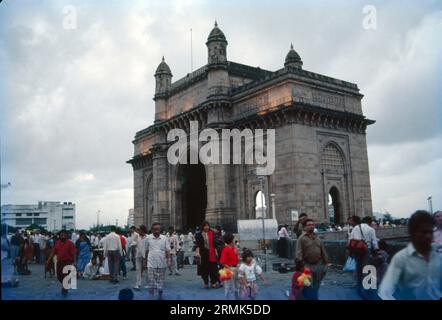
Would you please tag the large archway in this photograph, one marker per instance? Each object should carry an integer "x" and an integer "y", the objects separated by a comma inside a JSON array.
[
  {"x": 193, "y": 194},
  {"x": 334, "y": 206},
  {"x": 335, "y": 185}
]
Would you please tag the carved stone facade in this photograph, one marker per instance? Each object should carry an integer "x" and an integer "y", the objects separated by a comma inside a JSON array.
[{"x": 321, "y": 150}]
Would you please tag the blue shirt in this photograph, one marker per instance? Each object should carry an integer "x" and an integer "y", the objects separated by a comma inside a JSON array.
[{"x": 410, "y": 277}]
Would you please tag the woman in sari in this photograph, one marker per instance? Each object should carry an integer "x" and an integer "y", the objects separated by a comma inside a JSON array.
[
  {"x": 206, "y": 253},
  {"x": 83, "y": 245},
  {"x": 29, "y": 250}
]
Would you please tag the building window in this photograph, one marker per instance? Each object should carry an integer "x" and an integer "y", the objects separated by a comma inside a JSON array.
[
  {"x": 40, "y": 221},
  {"x": 36, "y": 214},
  {"x": 29, "y": 214},
  {"x": 18, "y": 214},
  {"x": 23, "y": 222},
  {"x": 68, "y": 217}
]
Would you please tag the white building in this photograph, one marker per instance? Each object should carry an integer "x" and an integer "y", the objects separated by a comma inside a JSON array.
[
  {"x": 130, "y": 218},
  {"x": 52, "y": 215}
]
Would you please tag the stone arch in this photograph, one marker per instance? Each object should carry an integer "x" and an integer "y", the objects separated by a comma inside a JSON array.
[
  {"x": 252, "y": 182},
  {"x": 190, "y": 195},
  {"x": 335, "y": 183},
  {"x": 190, "y": 181}
]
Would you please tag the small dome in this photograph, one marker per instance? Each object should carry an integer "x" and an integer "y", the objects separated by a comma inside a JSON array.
[
  {"x": 293, "y": 59},
  {"x": 216, "y": 34},
  {"x": 163, "y": 68}
]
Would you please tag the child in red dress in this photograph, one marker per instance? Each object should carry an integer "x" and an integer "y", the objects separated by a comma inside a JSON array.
[
  {"x": 229, "y": 259},
  {"x": 296, "y": 288}
]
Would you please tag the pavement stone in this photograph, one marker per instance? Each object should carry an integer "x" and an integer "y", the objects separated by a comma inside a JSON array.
[{"x": 336, "y": 285}]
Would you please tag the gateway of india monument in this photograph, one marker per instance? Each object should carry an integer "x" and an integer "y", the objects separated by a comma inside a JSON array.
[{"x": 321, "y": 164}]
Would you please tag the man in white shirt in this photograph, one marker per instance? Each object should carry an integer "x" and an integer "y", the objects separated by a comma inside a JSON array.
[
  {"x": 135, "y": 238},
  {"x": 367, "y": 233},
  {"x": 92, "y": 239},
  {"x": 113, "y": 250},
  {"x": 188, "y": 248},
  {"x": 128, "y": 247},
  {"x": 157, "y": 251},
  {"x": 36, "y": 244},
  {"x": 97, "y": 241},
  {"x": 101, "y": 239},
  {"x": 174, "y": 249},
  {"x": 363, "y": 231},
  {"x": 139, "y": 255},
  {"x": 415, "y": 272},
  {"x": 42, "y": 241},
  {"x": 74, "y": 237},
  {"x": 349, "y": 227}
]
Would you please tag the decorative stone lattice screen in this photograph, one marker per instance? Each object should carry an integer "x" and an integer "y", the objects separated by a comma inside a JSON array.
[{"x": 332, "y": 158}]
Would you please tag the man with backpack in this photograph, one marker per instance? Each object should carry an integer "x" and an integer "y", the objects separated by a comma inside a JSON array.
[{"x": 362, "y": 242}]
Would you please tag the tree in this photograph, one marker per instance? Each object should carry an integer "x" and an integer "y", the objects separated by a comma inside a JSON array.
[
  {"x": 35, "y": 226},
  {"x": 8, "y": 228},
  {"x": 387, "y": 217},
  {"x": 106, "y": 229}
]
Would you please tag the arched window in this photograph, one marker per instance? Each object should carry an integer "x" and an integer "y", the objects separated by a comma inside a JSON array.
[
  {"x": 332, "y": 158},
  {"x": 260, "y": 205}
]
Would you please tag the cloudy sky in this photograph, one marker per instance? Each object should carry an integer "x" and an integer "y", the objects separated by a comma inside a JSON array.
[{"x": 71, "y": 100}]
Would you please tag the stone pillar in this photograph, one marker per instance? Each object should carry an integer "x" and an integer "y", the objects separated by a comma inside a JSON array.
[
  {"x": 161, "y": 212},
  {"x": 138, "y": 197},
  {"x": 218, "y": 82},
  {"x": 160, "y": 109}
]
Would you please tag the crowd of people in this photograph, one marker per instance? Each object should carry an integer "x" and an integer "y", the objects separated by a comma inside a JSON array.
[
  {"x": 414, "y": 272},
  {"x": 103, "y": 256}
]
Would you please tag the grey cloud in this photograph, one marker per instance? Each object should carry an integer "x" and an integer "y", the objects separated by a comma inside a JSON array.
[{"x": 75, "y": 98}]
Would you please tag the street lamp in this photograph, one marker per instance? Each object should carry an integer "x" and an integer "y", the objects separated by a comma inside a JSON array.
[
  {"x": 430, "y": 204},
  {"x": 273, "y": 205},
  {"x": 261, "y": 179},
  {"x": 98, "y": 220}
]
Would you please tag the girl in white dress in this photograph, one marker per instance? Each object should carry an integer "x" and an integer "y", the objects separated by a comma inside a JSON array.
[{"x": 248, "y": 271}]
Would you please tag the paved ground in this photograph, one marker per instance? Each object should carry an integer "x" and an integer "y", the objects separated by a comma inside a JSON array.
[{"x": 336, "y": 286}]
